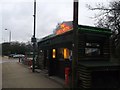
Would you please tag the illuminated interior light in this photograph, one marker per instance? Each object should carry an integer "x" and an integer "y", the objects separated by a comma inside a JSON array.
[
  {"x": 54, "y": 53},
  {"x": 65, "y": 53}
]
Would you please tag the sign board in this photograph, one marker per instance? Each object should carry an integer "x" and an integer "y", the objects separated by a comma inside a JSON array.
[
  {"x": 33, "y": 39},
  {"x": 64, "y": 27}
]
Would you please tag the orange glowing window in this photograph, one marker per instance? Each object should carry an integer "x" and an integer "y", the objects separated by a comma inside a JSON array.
[{"x": 66, "y": 53}]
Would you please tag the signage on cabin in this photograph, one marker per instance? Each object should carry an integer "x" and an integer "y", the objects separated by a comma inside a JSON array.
[{"x": 64, "y": 27}]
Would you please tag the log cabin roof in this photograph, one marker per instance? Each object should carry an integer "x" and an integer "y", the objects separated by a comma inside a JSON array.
[{"x": 82, "y": 28}]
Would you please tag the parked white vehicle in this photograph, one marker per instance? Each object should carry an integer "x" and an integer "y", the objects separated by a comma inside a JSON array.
[{"x": 18, "y": 56}]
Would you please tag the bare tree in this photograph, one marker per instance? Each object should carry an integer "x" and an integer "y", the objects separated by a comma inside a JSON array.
[{"x": 109, "y": 17}]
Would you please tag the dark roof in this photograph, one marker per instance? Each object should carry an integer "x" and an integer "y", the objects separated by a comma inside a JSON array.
[
  {"x": 94, "y": 29},
  {"x": 83, "y": 28}
]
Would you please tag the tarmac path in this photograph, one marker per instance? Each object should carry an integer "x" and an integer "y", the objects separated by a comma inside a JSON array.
[{"x": 17, "y": 75}]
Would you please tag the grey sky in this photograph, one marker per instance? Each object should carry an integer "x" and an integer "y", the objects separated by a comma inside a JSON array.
[{"x": 17, "y": 16}]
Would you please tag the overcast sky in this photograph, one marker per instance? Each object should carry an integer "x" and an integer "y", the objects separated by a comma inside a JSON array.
[{"x": 17, "y": 17}]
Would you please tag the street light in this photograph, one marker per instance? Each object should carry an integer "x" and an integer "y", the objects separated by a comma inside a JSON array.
[
  {"x": 9, "y": 35},
  {"x": 33, "y": 39},
  {"x": 9, "y": 42}
]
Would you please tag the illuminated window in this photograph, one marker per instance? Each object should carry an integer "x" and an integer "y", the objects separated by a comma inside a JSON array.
[
  {"x": 63, "y": 53},
  {"x": 66, "y": 53},
  {"x": 54, "y": 53}
]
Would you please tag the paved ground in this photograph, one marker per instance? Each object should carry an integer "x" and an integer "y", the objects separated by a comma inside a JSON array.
[{"x": 17, "y": 75}]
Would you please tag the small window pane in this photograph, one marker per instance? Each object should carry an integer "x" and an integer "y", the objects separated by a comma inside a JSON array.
[
  {"x": 92, "y": 51},
  {"x": 92, "y": 44}
]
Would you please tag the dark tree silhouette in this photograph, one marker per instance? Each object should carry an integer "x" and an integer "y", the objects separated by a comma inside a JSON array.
[{"x": 16, "y": 48}]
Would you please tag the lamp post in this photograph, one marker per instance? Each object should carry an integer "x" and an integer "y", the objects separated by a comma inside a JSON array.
[
  {"x": 9, "y": 35},
  {"x": 9, "y": 50},
  {"x": 33, "y": 39}
]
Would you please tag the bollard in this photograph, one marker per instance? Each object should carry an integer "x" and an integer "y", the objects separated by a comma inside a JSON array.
[
  {"x": 67, "y": 72},
  {"x": 30, "y": 62}
]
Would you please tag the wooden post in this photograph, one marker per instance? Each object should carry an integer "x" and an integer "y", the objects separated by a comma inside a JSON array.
[{"x": 75, "y": 44}]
